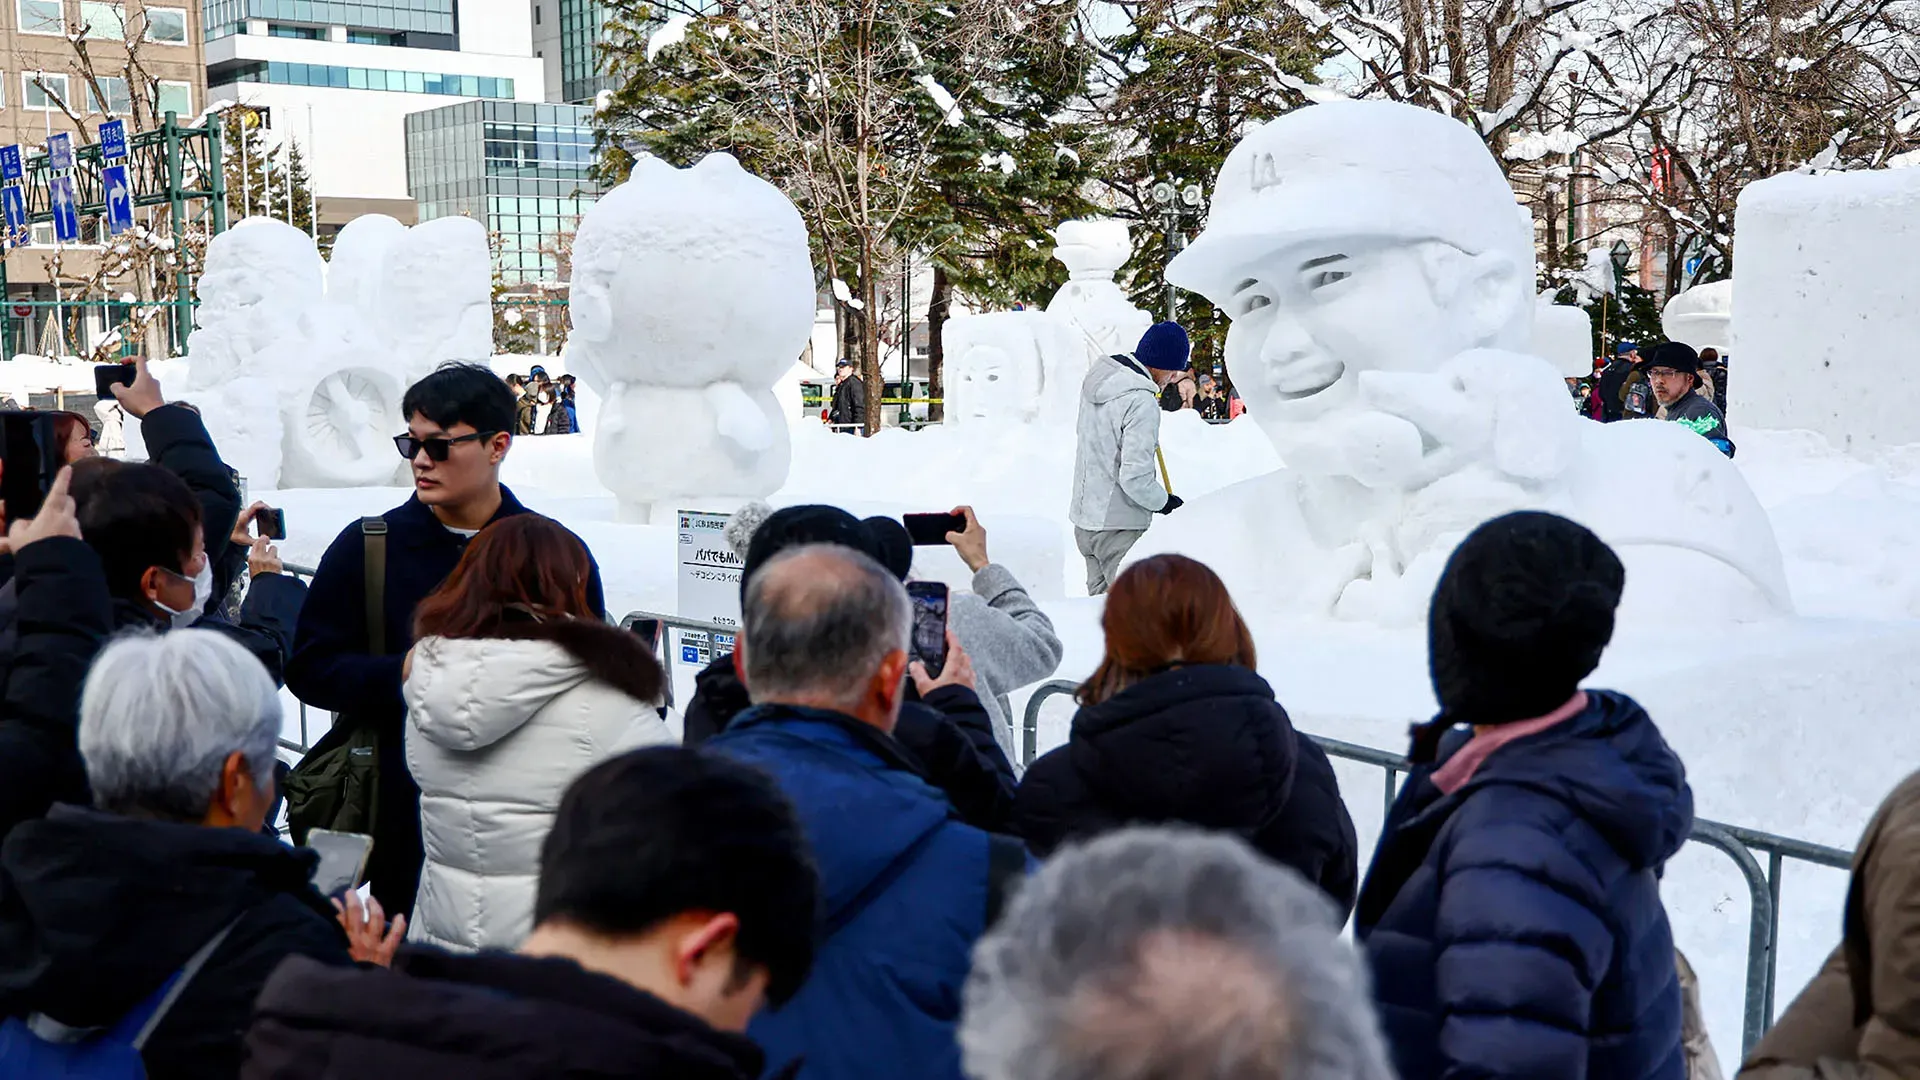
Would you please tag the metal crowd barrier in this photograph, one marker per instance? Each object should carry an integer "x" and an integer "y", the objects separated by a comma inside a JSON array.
[
  {"x": 302, "y": 573},
  {"x": 1738, "y": 843}
]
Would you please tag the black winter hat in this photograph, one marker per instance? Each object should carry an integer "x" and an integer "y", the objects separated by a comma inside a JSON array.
[
  {"x": 893, "y": 542},
  {"x": 1676, "y": 355},
  {"x": 797, "y": 526},
  {"x": 1522, "y": 613}
]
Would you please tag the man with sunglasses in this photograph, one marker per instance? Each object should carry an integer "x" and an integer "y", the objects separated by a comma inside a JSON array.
[{"x": 459, "y": 429}]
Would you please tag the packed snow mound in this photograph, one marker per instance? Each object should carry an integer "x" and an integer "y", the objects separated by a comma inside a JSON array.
[
  {"x": 1825, "y": 301},
  {"x": 1563, "y": 335},
  {"x": 1702, "y": 316}
]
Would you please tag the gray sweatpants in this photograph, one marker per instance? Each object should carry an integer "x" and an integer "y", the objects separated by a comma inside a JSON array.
[{"x": 1103, "y": 550}]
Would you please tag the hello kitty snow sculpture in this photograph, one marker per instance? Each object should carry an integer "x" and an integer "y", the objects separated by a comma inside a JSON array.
[
  {"x": 1380, "y": 287},
  {"x": 1012, "y": 367},
  {"x": 693, "y": 294},
  {"x": 1093, "y": 251}
]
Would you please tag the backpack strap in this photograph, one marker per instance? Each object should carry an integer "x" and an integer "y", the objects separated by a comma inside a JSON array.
[
  {"x": 143, "y": 1019},
  {"x": 192, "y": 967},
  {"x": 373, "y": 536},
  {"x": 1006, "y": 871}
]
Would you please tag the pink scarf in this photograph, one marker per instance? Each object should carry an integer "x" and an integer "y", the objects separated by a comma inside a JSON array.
[{"x": 1460, "y": 768}]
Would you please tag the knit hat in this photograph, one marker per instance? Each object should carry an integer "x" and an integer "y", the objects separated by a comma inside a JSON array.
[
  {"x": 797, "y": 526},
  {"x": 1164, "y": 347},
  {"x": 743, "y": 524},
  {"x": 1678, "y": 356},
  {"x": 894, "y": 543},
  {"x": 1522, "y": 613},
  {"x": 1624, "y": 348}
]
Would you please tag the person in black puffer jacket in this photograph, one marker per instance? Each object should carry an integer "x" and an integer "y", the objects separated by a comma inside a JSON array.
[{"x": 1177, "y": 726}]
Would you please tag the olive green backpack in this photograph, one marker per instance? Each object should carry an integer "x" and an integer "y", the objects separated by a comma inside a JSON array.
[{"x": 337, "y": 784}]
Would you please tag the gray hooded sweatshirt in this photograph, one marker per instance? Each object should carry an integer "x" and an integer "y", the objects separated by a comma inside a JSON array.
[{"x": 1115, "y": 482}]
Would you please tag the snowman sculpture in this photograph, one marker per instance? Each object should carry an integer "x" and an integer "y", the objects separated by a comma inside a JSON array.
[
  {"x": 1093, "y": 251},
  {"x": 693, "y": 293}
]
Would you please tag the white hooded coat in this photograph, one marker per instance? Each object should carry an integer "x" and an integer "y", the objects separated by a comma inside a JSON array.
[
  {"x": 1115, "y": 482},
  {"x": 496, "y": 730}
]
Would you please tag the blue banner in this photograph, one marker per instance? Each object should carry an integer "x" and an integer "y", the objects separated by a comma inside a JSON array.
[
  {"x": 66, "y": 207},
  {"x": 13, "y": 199},
  {"x": 113, "y": 140},
  {"x": 119, "y": 195}
]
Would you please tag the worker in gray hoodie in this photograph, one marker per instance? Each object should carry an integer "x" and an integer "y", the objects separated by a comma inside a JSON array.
[{"x": 1116, "y": 486}]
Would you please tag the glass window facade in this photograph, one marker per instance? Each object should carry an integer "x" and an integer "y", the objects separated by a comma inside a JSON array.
[
  {"x": 175, "y": 97},
  {"x": 524, "y": 170},
  {"x": 353, "y": 78},
  {"x": 118, "y": 103},
  {"x": 302, "y": 33},
  {"x": 168, "y": 26},
  {"x": 582, "y": 29},
  {"x": 40, "y": 16},
  {"x": 104, "y": 21},
  {"x": 370, "y": 37},
  {"x": 33, "y": 97},
  {"x": 225, "y": 18}
]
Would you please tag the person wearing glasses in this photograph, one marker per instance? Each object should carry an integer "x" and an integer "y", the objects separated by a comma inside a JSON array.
[{"x": 459, "y": 428}]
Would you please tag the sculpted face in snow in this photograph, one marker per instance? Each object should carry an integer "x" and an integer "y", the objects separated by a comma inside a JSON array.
[
  {"x": 1379, "y": 280},
  {"x": 1013, "y": 367},
  {"x": 262, "y": 281}
]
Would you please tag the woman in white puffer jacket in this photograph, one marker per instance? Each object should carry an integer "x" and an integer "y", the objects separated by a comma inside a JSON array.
[{"x": 514, "y": 688}]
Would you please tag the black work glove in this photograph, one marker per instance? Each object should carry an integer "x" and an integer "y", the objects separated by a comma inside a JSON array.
[{"x": 1174, "y": 502}]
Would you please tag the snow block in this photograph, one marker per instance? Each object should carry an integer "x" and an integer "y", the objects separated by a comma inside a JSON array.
[{"x": 1825, "y": 294}]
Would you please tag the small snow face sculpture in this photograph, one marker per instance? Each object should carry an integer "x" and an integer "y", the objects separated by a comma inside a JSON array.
[
  {"x": 693, "y": 294},
  {"x": 262, "y": 281}
]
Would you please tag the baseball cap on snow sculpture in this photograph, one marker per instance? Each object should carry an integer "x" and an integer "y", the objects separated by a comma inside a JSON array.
[{"x": 1379, "y": 282}]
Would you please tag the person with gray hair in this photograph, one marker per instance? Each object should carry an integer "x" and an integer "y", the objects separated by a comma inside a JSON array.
[
  {"x": 1169, "y": 954},
  {"x": 906, "y": 886},
  {"x": 168, "y": 878}
]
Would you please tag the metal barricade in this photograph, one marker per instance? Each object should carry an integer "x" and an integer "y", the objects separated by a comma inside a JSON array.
[
  {"x": 1738, "y": 843},
  {"x": 305, "y": 574}
]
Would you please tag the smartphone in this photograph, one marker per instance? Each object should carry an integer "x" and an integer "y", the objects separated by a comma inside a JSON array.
[
  {"x": 105, "y": 375},
  {"x": 29, "y": 460},
  {"x": 929, "y": 640},
  {"x": 647, "y": 630},
  {"x": 343, "y": 859},
  {"x": 271, "y": 522},
  {"x": 930, "y": 530}
]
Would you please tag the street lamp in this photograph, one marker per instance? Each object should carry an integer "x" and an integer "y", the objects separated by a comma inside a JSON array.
[
  {"x": 1619, "y": 254},
  {"x": 1174, "y": 205}
]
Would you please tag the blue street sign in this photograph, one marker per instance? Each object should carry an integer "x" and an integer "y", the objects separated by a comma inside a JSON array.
[
  {"x": 113, "y": 140},
  {"x": 66, "y": 207},
  {"x": 10, "y": 164},
  {"x": 60, "y": 150},
  {"x": 13, "y": 199},
  {"x": 689, "y": 654},
  {"x": 1693, "y": 264},
  {"x": 119, "y": 195}
]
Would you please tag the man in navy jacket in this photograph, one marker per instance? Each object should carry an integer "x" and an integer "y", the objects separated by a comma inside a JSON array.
[
  {"x": 1512, "y": 916},
  {"x": 906, "y": 887},
  {"x": 459, "y": 424}
]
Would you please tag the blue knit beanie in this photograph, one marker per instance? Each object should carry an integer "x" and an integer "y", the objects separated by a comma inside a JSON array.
[{"x": 1164, "y": 347}]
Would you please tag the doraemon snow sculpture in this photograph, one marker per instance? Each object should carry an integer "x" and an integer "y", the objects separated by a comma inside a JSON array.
[
  {"x": 1381, "y": 290},
  {"x": 693, "y": 294}
]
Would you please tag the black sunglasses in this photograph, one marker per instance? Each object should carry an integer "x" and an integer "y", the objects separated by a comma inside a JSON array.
[{"x": 438, "y": 448}]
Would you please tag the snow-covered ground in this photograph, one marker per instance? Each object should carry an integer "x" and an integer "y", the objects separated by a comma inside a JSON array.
[{"x": 1797, "y": 726}]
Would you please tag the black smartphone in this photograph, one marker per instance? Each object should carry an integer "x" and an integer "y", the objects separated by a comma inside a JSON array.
[
  {"x": 29, "y": 460},
  {"x": 271, "y": 522},
  {"x": 343, "y": 859},
  {"x": 647, "y": 630},
  {"x": 930, "y": 530},
  {"x": 929, "y": 640},
  {"x": 106, "y": 375}
]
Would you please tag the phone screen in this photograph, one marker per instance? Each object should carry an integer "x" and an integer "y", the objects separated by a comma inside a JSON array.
[
  {"x": 272, "y": 523},
  {"x": 343, "y": 859},
  {"x": 647, "y": 630},
  {"x": 930, "y": 530},
  {"x": 106, "y": 375},
  {"x": 929, "y": 640},
  {"x": 29, "y": 460}
]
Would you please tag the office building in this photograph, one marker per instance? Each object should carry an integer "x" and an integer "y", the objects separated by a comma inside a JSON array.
[
  {"x": 339, "y": 77},
  {"x": 522, "y": 169}
]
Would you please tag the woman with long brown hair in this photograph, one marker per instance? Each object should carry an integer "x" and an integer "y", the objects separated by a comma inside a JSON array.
[
  {"x": 1176, "y": 725},
  {"x": 514, "y": 688}
]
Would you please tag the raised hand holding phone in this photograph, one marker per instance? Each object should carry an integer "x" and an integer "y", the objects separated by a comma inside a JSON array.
[
  {"x": 970, "y": 542},
  {"x": 958, "y": 670},
  {"x": 144, "y": 395}
]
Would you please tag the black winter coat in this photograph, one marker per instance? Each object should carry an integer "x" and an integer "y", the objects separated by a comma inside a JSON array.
[
  {"x": 97, "y": 910},
  {"x": 61, "y": 616},
  {"x": 1204, "y": 745},
  {"x": 178, "y": 442},
  {"x": 332, "y": 669},
  {"x": 948, "y": 739},
  {"x": 491, "y": 1016}
]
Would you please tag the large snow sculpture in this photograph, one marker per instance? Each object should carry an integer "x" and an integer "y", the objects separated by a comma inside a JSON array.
[
  {"x": 1380, "y": 286},
  {"x": 1702, "y": 316},
  {"x": 692, "y": 296},
  {"x": 1826, "y": 316},
  {"x": 1012, "y": 367},
  {"x": 435, "y": 301},
  {"x": 1093, "y": 251}
]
